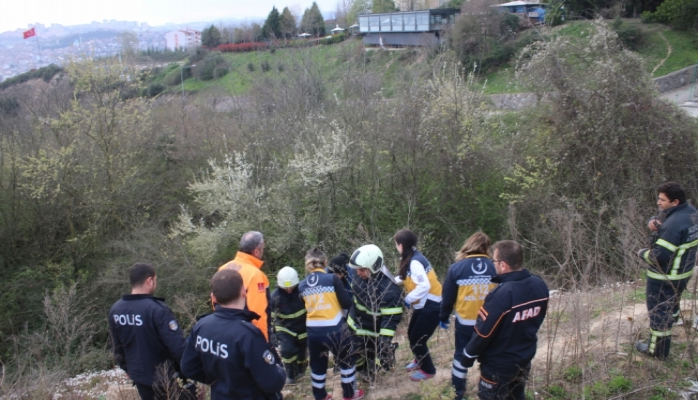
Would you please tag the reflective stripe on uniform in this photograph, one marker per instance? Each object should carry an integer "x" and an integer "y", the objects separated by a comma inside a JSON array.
[
  {"x": 359, "y": 331},
  {"x": 646, "y": 257},
  {"x": 289, "y": 316},
  {"x": 654, "y": 335},
  {"x": 289, "y": 360},
  {"x": 670, "y": 277},
  {"x": 364, "y": 309},
  {"x": 666, "y": 245},
  {"x": 391, "y": 311},
  {"x": 387, "y": 332},
  {"x": 284, "y": 330}
]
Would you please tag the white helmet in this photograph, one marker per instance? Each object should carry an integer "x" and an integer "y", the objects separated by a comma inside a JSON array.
[
  {"x": 368, "y": 256},
  {"x": 287, "y": 278}
]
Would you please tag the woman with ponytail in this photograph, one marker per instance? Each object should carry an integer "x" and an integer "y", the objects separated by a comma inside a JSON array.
[
  {"x": 424, "y": 295},
  {"x": 326, "y": 301}
]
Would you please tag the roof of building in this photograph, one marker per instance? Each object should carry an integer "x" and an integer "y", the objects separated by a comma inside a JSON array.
[{"x": 519, "y": 3}]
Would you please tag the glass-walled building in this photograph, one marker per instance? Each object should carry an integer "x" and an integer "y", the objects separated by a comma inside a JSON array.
[{"x": 406, "y": 28}]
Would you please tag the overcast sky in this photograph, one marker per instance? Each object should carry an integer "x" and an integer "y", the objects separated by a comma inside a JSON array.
[{"x": 20, "y": 14}]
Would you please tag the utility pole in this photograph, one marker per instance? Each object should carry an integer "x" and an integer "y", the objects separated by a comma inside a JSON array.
[{"x": 181, "y": 75}]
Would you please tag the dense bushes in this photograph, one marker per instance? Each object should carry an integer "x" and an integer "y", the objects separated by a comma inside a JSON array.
[
  {"x": 679, "y": 14},
  {"x": 631, "y": 35},
  {"x": 481, "y": 35},
  {"x": 242, "y": 47},
  {"x": 45, "y": 73},
  {"x": 213, "y": 66},
  {"x": 333, "y": 39}
]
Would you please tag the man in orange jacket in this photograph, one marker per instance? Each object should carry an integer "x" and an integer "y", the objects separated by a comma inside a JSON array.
[{"x": 248, "y": 262}]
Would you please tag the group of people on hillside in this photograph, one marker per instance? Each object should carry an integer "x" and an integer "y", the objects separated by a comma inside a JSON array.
[{"x": 350, "y": 306}]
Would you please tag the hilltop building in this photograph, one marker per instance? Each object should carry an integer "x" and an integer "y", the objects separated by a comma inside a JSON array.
[
  {"x": 183, "y": 39},
  {"x": 406, "y": 28},
  {"x": 413, "y": 5}
]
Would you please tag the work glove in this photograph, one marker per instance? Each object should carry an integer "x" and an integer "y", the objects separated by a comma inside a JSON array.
[
  {"x": 407, "y": 305},
  {"x": 444, "y": 325}
]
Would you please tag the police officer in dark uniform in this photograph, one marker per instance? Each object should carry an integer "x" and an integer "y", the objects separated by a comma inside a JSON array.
[
  {"x": 507, "y": 324},
  {"x": 670, "y": 262},
  {"x": 147, "y": 342},
  {"x": 225, "y": 350}
]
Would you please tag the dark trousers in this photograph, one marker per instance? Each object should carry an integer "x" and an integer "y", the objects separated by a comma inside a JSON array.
[
  {"x": 458, "y": 372},
  {"x": 339, "y": 344},
  {"x": 422, "y": 325},
  {"x": 174, "y": 391},
  {"x": 497, "y": 386},
  {"x": 365, "y": 349},
  {"x": 663, "y": 300},
  {"x": 294, "y": 354}
]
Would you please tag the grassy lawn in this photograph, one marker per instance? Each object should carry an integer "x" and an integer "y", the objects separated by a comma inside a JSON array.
[
  {"x": 501, "y": 81},
  {"x": 333, "y": 62},
  {"x": 653, "y": 48}
]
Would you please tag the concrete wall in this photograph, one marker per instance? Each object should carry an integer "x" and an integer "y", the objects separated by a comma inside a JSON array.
[{"x": 675, "y": 79}]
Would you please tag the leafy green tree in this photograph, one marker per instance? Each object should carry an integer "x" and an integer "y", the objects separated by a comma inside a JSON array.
[
  {"x": 679, "y": 14},
  {"x": 211, "y": 37},
  {"x": 383, "y": 6},
  {"x": 272, "y": 26},
  {"x": 287, "y": 24},
  {"x": 312, "y": 21}
]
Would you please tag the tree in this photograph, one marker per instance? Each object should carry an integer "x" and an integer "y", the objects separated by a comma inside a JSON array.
[
  {"x": 272, "y": 26},
  {"x": 287, "y": 24},
  {"x": 211, "y": 37},
  {"x": 129, "y": 43},
  {"x": 358, "y": 7},
  {"x": 383, "y": 6},
  {"x": 312, "y": 21}
]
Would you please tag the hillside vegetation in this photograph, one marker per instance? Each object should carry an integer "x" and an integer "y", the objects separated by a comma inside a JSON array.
[
  {"x": 662, "y": 51},
  {"x": 95, "y": 177}
]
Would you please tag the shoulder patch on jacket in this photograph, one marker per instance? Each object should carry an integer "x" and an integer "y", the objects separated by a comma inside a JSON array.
[
  {"x": 173, "y": 325},
  {"x": 268, "y": 357},
  {"x": 260, "y": 287}
]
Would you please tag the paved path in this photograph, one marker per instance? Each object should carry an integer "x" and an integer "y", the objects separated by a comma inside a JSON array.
[{"x": 686, "y": 97}]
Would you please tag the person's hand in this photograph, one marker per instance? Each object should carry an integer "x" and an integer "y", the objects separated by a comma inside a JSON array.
[
  {"x": 653, "y": 225},
  {"x": 407, "y": 305},
  {"x": 444, "y": 325}
]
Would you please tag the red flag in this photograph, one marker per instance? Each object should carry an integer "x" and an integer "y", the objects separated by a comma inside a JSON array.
[{"x": 29, "y": 33}]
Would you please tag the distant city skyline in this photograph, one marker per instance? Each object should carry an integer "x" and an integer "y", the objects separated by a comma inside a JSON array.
[{"x": 19, "y": 15}]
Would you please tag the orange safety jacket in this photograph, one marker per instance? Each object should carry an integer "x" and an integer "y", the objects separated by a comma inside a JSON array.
[{"x": 257, "y": 286}]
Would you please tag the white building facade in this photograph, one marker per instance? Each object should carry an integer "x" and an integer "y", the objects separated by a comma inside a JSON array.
[{"x": 183, "y": 39}]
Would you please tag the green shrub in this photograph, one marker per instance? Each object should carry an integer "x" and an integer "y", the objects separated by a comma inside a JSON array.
[
  {"x": 154, "y": 89},
  {"x": 573, "y": 374},
  {"x": 679, "y": 14},
  {"x": 554, "y": 14},
  {"x": 9, "y": 105},
  {"x": 620, "y": 384},
  {"x": 629, "y": 34},
  {"x": 557, "y": 392},
  {"x": 250, "y": 67},
  {"x": 213, "y": 66},
  {"x": 264, "y": 65},
  {"x": 333, "y": 39}
]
